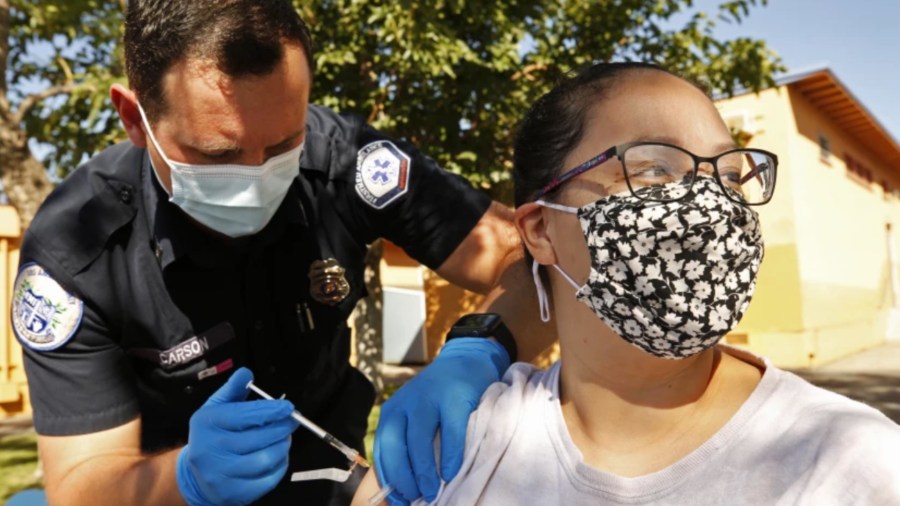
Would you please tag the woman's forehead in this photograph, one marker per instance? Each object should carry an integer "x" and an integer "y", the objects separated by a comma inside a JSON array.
[{"x": 646, "y": 105}]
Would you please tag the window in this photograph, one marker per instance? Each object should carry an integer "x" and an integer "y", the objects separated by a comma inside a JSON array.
[
  {"x": 862, "y": 174},
  {"x": 824, "y": 148}
]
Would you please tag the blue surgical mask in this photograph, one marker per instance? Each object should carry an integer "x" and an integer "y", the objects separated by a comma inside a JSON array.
[{"x": 234, "y": 200}]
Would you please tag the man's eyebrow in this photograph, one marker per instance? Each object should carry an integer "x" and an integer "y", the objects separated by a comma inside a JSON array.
[
  {"x": 212, "y": 146},
  {"x": 227, "y": 146},
  {"x": 289, "y": 139}
]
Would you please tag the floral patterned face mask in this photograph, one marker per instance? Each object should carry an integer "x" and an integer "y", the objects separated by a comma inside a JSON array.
[{"x": 671, "y": 278}]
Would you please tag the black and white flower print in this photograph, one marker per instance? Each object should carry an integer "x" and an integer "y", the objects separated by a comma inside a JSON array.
[{"x": 671, "y": 278}]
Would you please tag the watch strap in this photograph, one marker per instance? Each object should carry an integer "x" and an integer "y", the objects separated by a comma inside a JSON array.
[{"x": 499, "y": 332}]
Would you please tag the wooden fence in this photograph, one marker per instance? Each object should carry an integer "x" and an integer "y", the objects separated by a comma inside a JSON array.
[{"x": 13, "y": 388}]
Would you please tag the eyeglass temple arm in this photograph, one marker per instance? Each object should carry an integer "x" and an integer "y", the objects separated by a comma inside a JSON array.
[{"x": 581, "y": 169}]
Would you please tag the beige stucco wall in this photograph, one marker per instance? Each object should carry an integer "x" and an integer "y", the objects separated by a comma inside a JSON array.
[{"x": 824, "y": 286}]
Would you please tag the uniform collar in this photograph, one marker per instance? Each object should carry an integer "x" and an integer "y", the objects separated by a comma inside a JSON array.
[{"x": 174, "y": 235}]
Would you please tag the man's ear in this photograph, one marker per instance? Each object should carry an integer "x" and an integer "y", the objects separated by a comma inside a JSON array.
[
  {"x": 125, "y": 102},
  {"x": 529, "y": 220}
]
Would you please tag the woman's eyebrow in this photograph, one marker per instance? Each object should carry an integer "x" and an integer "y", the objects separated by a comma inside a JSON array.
[{"x": 725, "y": 146}]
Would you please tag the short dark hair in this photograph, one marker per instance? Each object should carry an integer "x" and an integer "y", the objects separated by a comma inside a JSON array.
[
  {"x": 556, "y": 122},
  {"x": 241, "y": 37}
]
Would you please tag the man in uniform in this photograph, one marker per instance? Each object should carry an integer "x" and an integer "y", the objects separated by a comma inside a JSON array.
[{"x": 167, "y": 272}]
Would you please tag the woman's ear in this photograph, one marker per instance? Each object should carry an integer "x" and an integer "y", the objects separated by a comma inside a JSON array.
[
  {"x": 125, "y": 102},
  {"x": 532, "y": 226}
]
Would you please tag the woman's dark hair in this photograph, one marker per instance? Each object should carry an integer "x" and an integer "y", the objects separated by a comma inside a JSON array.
[
  {"x": 241, "y": 37},
  {"x": 556, "y": 123}
]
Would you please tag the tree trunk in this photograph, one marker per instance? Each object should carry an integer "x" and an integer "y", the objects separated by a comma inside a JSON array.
[
  {"x": 25, "y": 180},
  {"x": 4, "y": 49},
  {"x": 367, "y": 319}
]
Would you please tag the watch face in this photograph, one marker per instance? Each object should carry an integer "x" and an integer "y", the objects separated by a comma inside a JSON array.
[{"x": 483, "y": 321}]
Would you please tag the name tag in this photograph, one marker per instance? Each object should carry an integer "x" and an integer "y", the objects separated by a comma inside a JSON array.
[
  {"x": 184, "y": 352},
  {"x": 189, "y": 350}
]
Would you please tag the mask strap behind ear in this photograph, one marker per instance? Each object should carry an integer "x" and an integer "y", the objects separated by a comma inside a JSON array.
[
  {"x": 543, "y": 302},
  {"x": 158, "y": 150},
  {"x": 568, "y": 278},
  {"x": 558, "y": 207},
  {"x": 150, "y": 134}
]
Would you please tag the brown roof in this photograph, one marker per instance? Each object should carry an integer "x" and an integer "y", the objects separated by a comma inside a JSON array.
[{"x": 828, "y": 94}]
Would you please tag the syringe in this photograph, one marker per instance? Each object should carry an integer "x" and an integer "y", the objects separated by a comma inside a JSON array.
[{"x": 351, "y": 454}]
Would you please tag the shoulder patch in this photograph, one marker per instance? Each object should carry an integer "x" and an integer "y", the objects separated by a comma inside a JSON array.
[
  {"x": 44, "y": 314},
  {"x": 382, "y": 173}
]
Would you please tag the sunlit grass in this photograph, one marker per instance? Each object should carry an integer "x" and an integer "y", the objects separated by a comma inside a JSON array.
[{"x": 18, "y": 464}]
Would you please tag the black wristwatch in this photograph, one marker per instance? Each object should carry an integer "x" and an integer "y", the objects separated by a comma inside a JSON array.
[{"x": 485, "y": 325}]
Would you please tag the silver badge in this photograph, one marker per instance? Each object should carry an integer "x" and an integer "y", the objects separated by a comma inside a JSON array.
[{"x": 327, "y": 283}]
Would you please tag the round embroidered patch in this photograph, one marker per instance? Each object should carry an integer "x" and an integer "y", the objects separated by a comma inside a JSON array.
[
  {"x": 382, "y": 173},
  {"x": 44, "y": 314}
]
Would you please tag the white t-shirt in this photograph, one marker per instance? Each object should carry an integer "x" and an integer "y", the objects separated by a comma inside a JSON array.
[{"x": 790, "y": 443}]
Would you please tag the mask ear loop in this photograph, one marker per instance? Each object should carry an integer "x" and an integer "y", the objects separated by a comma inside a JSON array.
[
  {"x": 558, "y": 207},
  {"x": 568, "y": 278},
  {"x": 158, "y": 150},
  {"x": 543, "y": 302}
]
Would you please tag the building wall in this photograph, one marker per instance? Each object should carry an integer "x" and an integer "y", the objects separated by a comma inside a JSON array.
[
  {"x": 13, "y": 386},
  {"x": 824, "y": 287},
  {"x": 772, "y": 326}
]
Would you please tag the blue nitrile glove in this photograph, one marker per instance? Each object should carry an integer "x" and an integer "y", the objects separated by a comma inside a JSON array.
[
  {"x": 443, "y": 395},
  {"x": 237, "y": 450}
]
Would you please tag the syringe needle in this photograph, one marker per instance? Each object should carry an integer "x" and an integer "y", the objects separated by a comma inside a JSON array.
[{"x": 351, "y": 454}]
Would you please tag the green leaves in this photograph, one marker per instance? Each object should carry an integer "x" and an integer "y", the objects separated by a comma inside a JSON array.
[
  {"x": 453, "y": 76},
  {"x": 54, "y": 43}
]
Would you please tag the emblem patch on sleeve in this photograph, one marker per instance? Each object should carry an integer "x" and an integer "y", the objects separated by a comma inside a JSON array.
[
  {"x": 382, "y": 173},
  {"x": 44, "y": 314}
]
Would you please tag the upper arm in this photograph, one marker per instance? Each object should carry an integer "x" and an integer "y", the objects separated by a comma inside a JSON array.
[
  {"x": 367, "y": 489},
  {"x": 392, "y": 190},
  {"x": 78, "y": 375},
  {"x": 486, "y": 252},
  {"x": 61, "y": 456}
]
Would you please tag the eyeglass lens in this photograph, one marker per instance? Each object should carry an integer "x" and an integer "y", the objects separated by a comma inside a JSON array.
[{"x": 749, "y": 175}]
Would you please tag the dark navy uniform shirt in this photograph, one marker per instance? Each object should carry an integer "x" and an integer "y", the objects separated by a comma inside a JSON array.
[{"x": 127, "y": 308}]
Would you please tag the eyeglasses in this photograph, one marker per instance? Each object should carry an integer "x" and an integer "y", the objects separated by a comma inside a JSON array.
[{"x": 746, "y": 176}]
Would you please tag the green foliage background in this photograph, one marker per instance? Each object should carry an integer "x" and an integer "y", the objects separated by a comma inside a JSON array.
[
  {"x": 455, "y": 76},
  {"x": 452, "y": 76}
]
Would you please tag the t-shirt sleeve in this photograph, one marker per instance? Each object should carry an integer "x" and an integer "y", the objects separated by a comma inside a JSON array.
[
  {"x": 491, "y": 429},
  {"x": 406, "y": 197},
  {"x": 77, "y": 373},
  {"x": 859, "y": 459}
]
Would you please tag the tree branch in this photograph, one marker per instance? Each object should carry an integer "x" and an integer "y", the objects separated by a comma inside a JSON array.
[
  {"x": 33, "y": 100},
  {"x": 4, "y": 44},
  {"x": 67, "y": 71}
]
